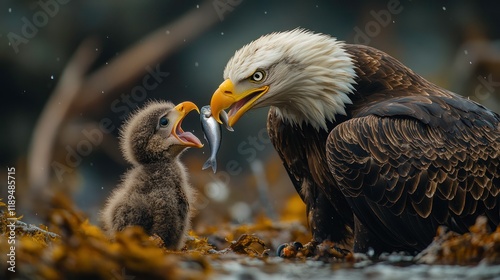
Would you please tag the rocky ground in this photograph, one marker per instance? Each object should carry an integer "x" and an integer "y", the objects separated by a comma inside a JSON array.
[{"x": 70, "y": 247}]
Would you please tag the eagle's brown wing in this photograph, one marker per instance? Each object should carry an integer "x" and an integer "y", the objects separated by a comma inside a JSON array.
[
  {"x": 302, "y": 150},
  {"x": 409, "y": 164}
]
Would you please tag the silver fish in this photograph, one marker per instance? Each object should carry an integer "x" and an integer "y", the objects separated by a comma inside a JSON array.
[{"x": 213, "y": 136}]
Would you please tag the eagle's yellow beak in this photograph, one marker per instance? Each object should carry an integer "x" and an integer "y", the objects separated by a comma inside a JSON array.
[{"x": 225, "y": 96}]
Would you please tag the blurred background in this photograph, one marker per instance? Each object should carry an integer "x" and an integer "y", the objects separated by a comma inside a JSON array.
[{"x": 69, "y": 69}]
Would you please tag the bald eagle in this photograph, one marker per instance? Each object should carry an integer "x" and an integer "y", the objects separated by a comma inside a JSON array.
[{"x": 380, "y": 156}]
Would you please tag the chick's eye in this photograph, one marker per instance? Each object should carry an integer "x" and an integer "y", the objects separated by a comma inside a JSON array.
[
  {"x": 257, "y": 76},
  {"x": 163, "y": 121}
]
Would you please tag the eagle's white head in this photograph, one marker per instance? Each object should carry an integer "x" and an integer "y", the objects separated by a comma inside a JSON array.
[{"x": 306, "y": 76}]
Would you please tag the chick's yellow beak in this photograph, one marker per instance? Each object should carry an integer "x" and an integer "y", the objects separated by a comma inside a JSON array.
[
  {"x": 185, "y": 107},
  {"x": 226, "y": 96},
  {"x": 185, "y": 138}
]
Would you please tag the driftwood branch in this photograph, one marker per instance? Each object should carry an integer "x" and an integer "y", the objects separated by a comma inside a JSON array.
[
  {"x": 76, "y": 93},
  {"x": 54, "y": 113},
  {"x": 32, "y": 230}
]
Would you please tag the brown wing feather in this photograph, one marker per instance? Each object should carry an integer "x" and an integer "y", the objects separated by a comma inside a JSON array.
[
  {"x": 413, "y": 163},
  {"x": 302, "y": 150}
]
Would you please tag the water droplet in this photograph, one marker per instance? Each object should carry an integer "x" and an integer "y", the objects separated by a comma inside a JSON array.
[
  {"x": 96, "y": 49},
  {"x": 444, "y": 8},
  {"x": 466, "y": 52},
  {"x": 197, "y": 6},
  {"x": 196, "y": 64},
  {"x": 393, "y": 21},
  {"x": 102, "y": 188},
  {"x": 167, "y": 32},
  {"x": 51, "y": 77},
  {"x": 317, "y": 6},
  {"x": 102, "y": 91},
  {"x": 10, "y": 10},
  {"x": 107, "y": 63},
  {"x": 222, "y": 33},
  {"x": 107, "y": 36},
  {"x": 470, "y": 62},
  {"x": 265, "y": 12}
]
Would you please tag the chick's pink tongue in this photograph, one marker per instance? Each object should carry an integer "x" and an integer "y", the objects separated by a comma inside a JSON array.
[{"x": 189, "y": 137}]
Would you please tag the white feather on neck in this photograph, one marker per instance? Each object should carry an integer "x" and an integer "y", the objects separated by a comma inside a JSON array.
[{"x": 310, "y": 79}]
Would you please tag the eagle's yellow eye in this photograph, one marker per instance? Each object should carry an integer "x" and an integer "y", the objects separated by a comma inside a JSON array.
[{"x": 257, "y": 76}]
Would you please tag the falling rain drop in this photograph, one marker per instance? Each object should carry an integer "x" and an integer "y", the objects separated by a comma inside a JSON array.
[
  {"x": 222, "y": 33},
  {"x": 265, "y": 12},
  {"x": 51, "y": 77},
  {"x": 444, "y": 8},
  {"x": 196, "y": 64},
  {"x": 197, "y": 6},
  {"x": 167, "y": 32},
  {"x": 466, "y": 52},
  {"x": 10, "y": 10}
]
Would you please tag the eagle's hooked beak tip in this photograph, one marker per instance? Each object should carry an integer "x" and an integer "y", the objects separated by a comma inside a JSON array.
[{"x": 222, "y": 98}]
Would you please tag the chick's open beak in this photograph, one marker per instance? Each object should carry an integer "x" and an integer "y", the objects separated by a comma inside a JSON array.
[
  {"x": 185, "y": 138},
  {"x": 226, "y": 96}
]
